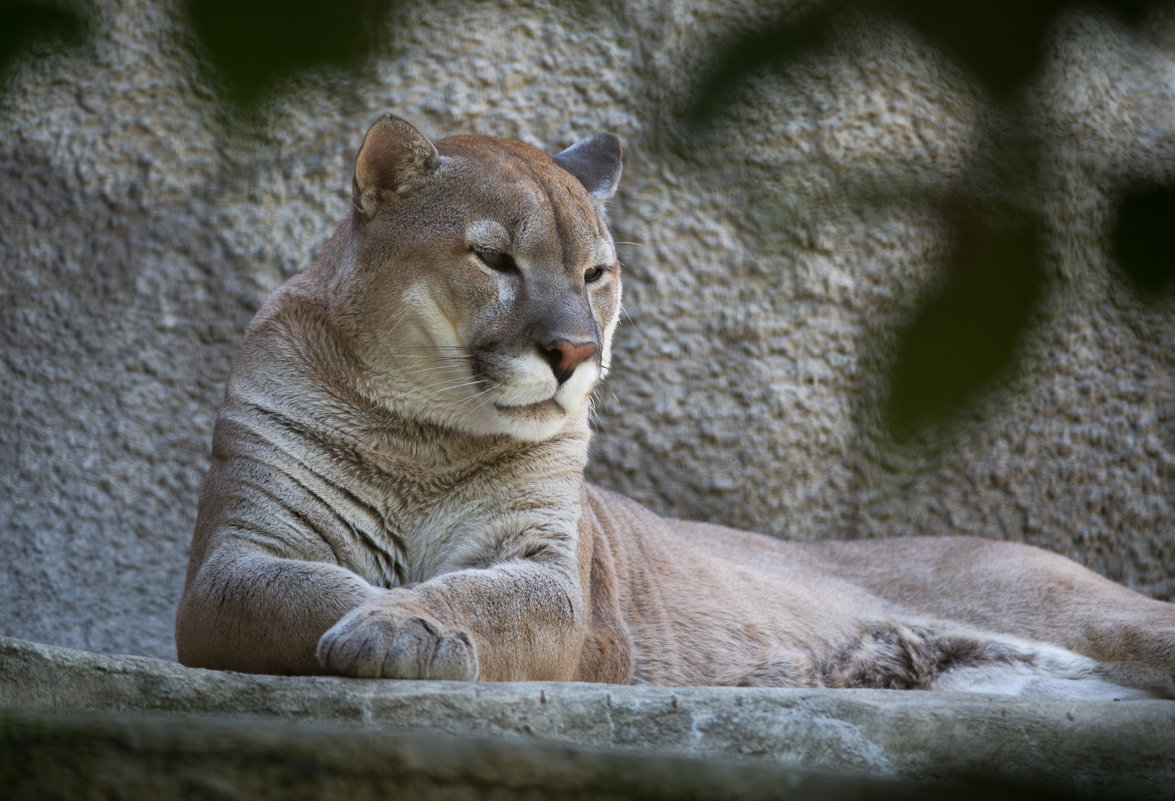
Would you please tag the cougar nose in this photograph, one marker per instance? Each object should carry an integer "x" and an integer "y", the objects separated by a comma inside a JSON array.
[{"x": 564, "y": 356}]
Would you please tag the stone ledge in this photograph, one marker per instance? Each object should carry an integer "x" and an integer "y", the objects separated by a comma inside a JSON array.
[
  {"x": 157, "y": 756},
  {"x": 780, "y": 738}
]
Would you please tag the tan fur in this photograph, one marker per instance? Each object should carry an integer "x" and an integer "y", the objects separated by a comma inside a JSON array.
[{"x": 397, "y": 485}]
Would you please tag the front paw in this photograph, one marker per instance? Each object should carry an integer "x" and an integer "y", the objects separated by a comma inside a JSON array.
[{"x": 382, "y": 643}]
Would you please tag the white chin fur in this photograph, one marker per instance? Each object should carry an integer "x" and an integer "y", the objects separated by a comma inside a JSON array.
[
  {"x": 529, "y": 405},
  {"x": 540, "y": 419},
  {"x": 535, "y": 423}
]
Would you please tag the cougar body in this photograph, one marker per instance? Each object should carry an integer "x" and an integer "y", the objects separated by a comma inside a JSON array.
[{"x": 397, "y": 485}]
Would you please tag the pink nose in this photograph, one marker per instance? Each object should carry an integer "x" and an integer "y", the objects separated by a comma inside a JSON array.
[{"x": 565, "y": 356}]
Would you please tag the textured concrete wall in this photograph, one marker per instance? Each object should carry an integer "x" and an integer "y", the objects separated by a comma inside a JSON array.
[{"x": 139, "y": 233}]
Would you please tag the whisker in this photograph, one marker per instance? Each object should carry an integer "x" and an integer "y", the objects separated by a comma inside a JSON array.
[
  {"x": 397, "y": 322},
  {"x": 422, "y": 356},
  {"x": 474, "y": 402},
  {"x": 484, "y": 391},
  {"x": 485, "y": 401},
  {"x": 432, "y": 367},
  {"x": 414, "y": 394},
  {"x": 595, "y": 418},
  {"x": 443, "y": 387},
  {"x": 435, "y": 368},
  {"x": 605, "y": 383}
]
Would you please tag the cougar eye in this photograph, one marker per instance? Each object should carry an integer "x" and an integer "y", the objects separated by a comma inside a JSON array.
[
  {"x": 497, "y": 260},
  {"x": 595, "y": 273}
]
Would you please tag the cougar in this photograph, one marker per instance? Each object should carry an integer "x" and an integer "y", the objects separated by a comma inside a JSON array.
[{"x": 397, "y": 485}]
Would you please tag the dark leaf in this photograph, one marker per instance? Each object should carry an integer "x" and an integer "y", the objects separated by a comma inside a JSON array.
[
  {"x": 255, "y": 43},
  {"x": 964, "y": 338},
  {"x": 26, "y": 23},
  {"x": 1144, "y": 239},
  {"x": 1132, "y": 12},
  {"x": 774, "y": 47},
  {"x": 1000, "y": 42}
]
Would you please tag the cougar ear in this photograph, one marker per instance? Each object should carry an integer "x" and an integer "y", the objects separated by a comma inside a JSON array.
[
  {"x": 394, "y": 156},
  {"x": 595, "y": 161}
]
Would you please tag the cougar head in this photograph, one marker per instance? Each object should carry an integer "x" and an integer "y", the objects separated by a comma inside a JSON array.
[{"x": 481, "y": 284}]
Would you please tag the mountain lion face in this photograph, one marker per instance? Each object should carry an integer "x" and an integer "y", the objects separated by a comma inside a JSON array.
[{"x": 484, "y": 285}]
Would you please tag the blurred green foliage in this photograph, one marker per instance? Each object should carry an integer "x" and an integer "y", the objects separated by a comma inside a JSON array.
[
  {"x": 253, "y": 44},
  {"x": 1144, "y": 240},
  {"x": 962, "y": 339},
  {"x": 1000, "y": 42},
  {"x": 964, "y": 336},
  {"x": 29, "y": 25}
]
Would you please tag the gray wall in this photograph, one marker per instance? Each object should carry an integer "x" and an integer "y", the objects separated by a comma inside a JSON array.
[{"x": 139, "y": 233}]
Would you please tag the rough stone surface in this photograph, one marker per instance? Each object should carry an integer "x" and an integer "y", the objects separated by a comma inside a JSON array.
[
  {"x": 785, "y": 737},
  {"x": 144, "y": 757},
  {"x": 140, "y": 231}
]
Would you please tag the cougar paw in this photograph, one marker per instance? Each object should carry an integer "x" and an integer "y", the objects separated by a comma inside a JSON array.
[{"x": 378, "y": 643}]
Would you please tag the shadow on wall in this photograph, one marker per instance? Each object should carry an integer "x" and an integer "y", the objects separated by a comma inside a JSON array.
[{"x": 963, "y": 339}]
